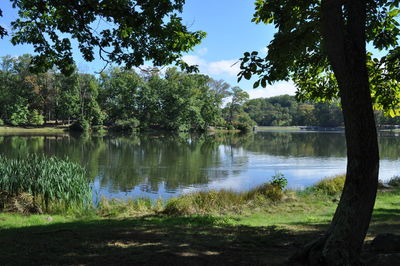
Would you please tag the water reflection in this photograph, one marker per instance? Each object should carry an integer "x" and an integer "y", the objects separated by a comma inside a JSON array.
[{"x": 163, "y": 165}]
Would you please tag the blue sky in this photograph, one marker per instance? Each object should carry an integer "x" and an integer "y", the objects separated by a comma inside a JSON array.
[{"x": 230, "y": 33}]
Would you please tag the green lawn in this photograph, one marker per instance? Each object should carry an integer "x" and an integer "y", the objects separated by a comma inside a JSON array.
[
  {"x": 37, "y": 130},
  {"x": 261, "y": 235}
]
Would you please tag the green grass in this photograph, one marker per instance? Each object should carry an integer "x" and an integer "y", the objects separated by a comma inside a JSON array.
[
  {"x": 266, "y": 235},
  {"x": 277, "y": 128},
  {"x": 37, "y": 130},
  {"x": 259, "y": 232},
  {"x": 305, "y": 209}
]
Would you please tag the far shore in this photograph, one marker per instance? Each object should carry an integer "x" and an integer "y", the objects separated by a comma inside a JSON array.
[{"x": 62, "y": 128}]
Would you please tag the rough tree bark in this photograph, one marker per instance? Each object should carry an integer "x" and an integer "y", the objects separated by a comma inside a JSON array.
[{"x": 343, "y": 29}]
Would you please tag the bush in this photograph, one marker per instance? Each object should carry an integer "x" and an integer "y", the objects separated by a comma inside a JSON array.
[
  {"x": 35, "y": 118},
  {"x": 50, "y": 181},
  {"x": 394, "y": 181},
  {"x": 243, "y": 122},
  {"x": 20, "y": 115},
  {"x": 80, "y": 125},
  {"x": 279, "y": 180},
  {"x": 1, "y": 122},
  {"x": 131, "y": 124},
  {"x": 331, "y": 186}
]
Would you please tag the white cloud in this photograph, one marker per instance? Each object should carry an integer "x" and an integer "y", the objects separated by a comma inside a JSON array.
[
  {"x": 202, "y": 51},
  {"x": 264, "y": 51},
  {"x": 194, "y": 60},
  {"x": 273, "y": 90},
  {"x": 227, "y": 67}
]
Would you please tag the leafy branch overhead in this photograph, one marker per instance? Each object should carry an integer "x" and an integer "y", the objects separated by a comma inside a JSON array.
[
  {"x": 127, "y": 32},
  {"x": 297, "y": 51}
]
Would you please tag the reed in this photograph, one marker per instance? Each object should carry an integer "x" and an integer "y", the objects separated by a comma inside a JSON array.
[{"x": 49, "y": 180}]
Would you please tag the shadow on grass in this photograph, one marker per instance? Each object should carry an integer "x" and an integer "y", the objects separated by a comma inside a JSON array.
[
  {"x": 149, "y": 241},
  {"x": 160, "y": 240}
]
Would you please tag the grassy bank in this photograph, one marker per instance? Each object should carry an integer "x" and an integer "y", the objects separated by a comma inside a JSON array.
[
  {"x": 262, "y": 226},
  {"x": 33, "y": 130},
  {"x": 276, "y": 128}
]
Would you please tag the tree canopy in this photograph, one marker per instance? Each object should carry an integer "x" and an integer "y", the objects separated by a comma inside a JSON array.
[
  {"x": 298, "y": 51},
  {"x": 127, "y": 32}
]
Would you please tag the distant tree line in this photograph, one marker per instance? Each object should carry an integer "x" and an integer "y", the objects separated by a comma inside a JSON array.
[
  {"x": 285, "y": 110},
  {"x": 121, "y": 99},
  {"x": 125, "y": 100}
]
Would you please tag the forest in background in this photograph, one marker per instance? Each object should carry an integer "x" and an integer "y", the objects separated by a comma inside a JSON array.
[{"x": 126, "y": 100}]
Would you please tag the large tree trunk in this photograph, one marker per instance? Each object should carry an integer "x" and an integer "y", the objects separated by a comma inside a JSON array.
[{"x": 344, "y": 41}]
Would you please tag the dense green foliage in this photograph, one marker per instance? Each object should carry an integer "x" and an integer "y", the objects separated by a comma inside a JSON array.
[
  {"x": 128, "y": 101},
  {"x": 126, "y": 32},
  {"x": 286, "y": 111},
  {"x": 50, "y": 181},
  {"x": 122, "y": 99},
  {"x": 296, "y": 51}
]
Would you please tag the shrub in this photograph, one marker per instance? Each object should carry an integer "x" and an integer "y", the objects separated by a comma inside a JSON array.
[
  {"x": 131, "y": 124},
  {"x": 243, "y": 122},
  {"x": 331, "y": 186},
  {"x": 1, "y": 122},
  {"x": 279, "y": 180},
  {"x": 394, "y": 181},
  {"x": 35, "y": 118},
  {"x": 20, "y": 115},
  {"x": 50, "y": 181},
  {"x": 80, "y": 125}
]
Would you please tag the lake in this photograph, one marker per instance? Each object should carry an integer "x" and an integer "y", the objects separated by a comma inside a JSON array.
[{"x": 166, "y": 165}]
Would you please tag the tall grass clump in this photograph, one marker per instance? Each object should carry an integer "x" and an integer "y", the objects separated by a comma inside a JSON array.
[
  {"x": 130, "y": 207},
  {"x": 223, "y": 201},
  {"x": 49, "y": 183},
  {"x": 204, "y": 202},
  {"x": 330, "y": 186}
]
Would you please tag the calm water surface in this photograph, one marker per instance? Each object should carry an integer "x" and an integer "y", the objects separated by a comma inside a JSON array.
[{"x": 162, "y": 166}]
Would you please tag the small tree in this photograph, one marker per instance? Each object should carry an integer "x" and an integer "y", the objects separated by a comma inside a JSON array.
[
  {"x": 35, "y": 118},
  {"x": 20, "y": 115}
]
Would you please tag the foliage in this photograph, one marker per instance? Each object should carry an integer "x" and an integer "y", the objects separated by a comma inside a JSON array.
[
  {"x": 50, "y": 181},
  {"x": 284, "y": 110},
  {"x": 136, "y": 31},
  {"x": 1, "y": 122},
  {"x": 35, "y": 118},
  {"x": 179, "y": 101},
  {"x": 80, "y": 125},
  {"x": 296, "y": 52},
  {"x": 131, "y": 124},
  {"x": 243, "y": 122},
  {"x": 20, "y": 115},
  {"x": 279, "y": 180},
  {"x": 394, "y": 181}
]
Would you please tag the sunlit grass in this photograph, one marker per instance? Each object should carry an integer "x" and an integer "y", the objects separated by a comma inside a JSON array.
[{"x": 6, "y": 129}]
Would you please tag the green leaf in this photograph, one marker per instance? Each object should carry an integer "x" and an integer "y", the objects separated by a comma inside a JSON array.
[{"x": 256, "y": 84}]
